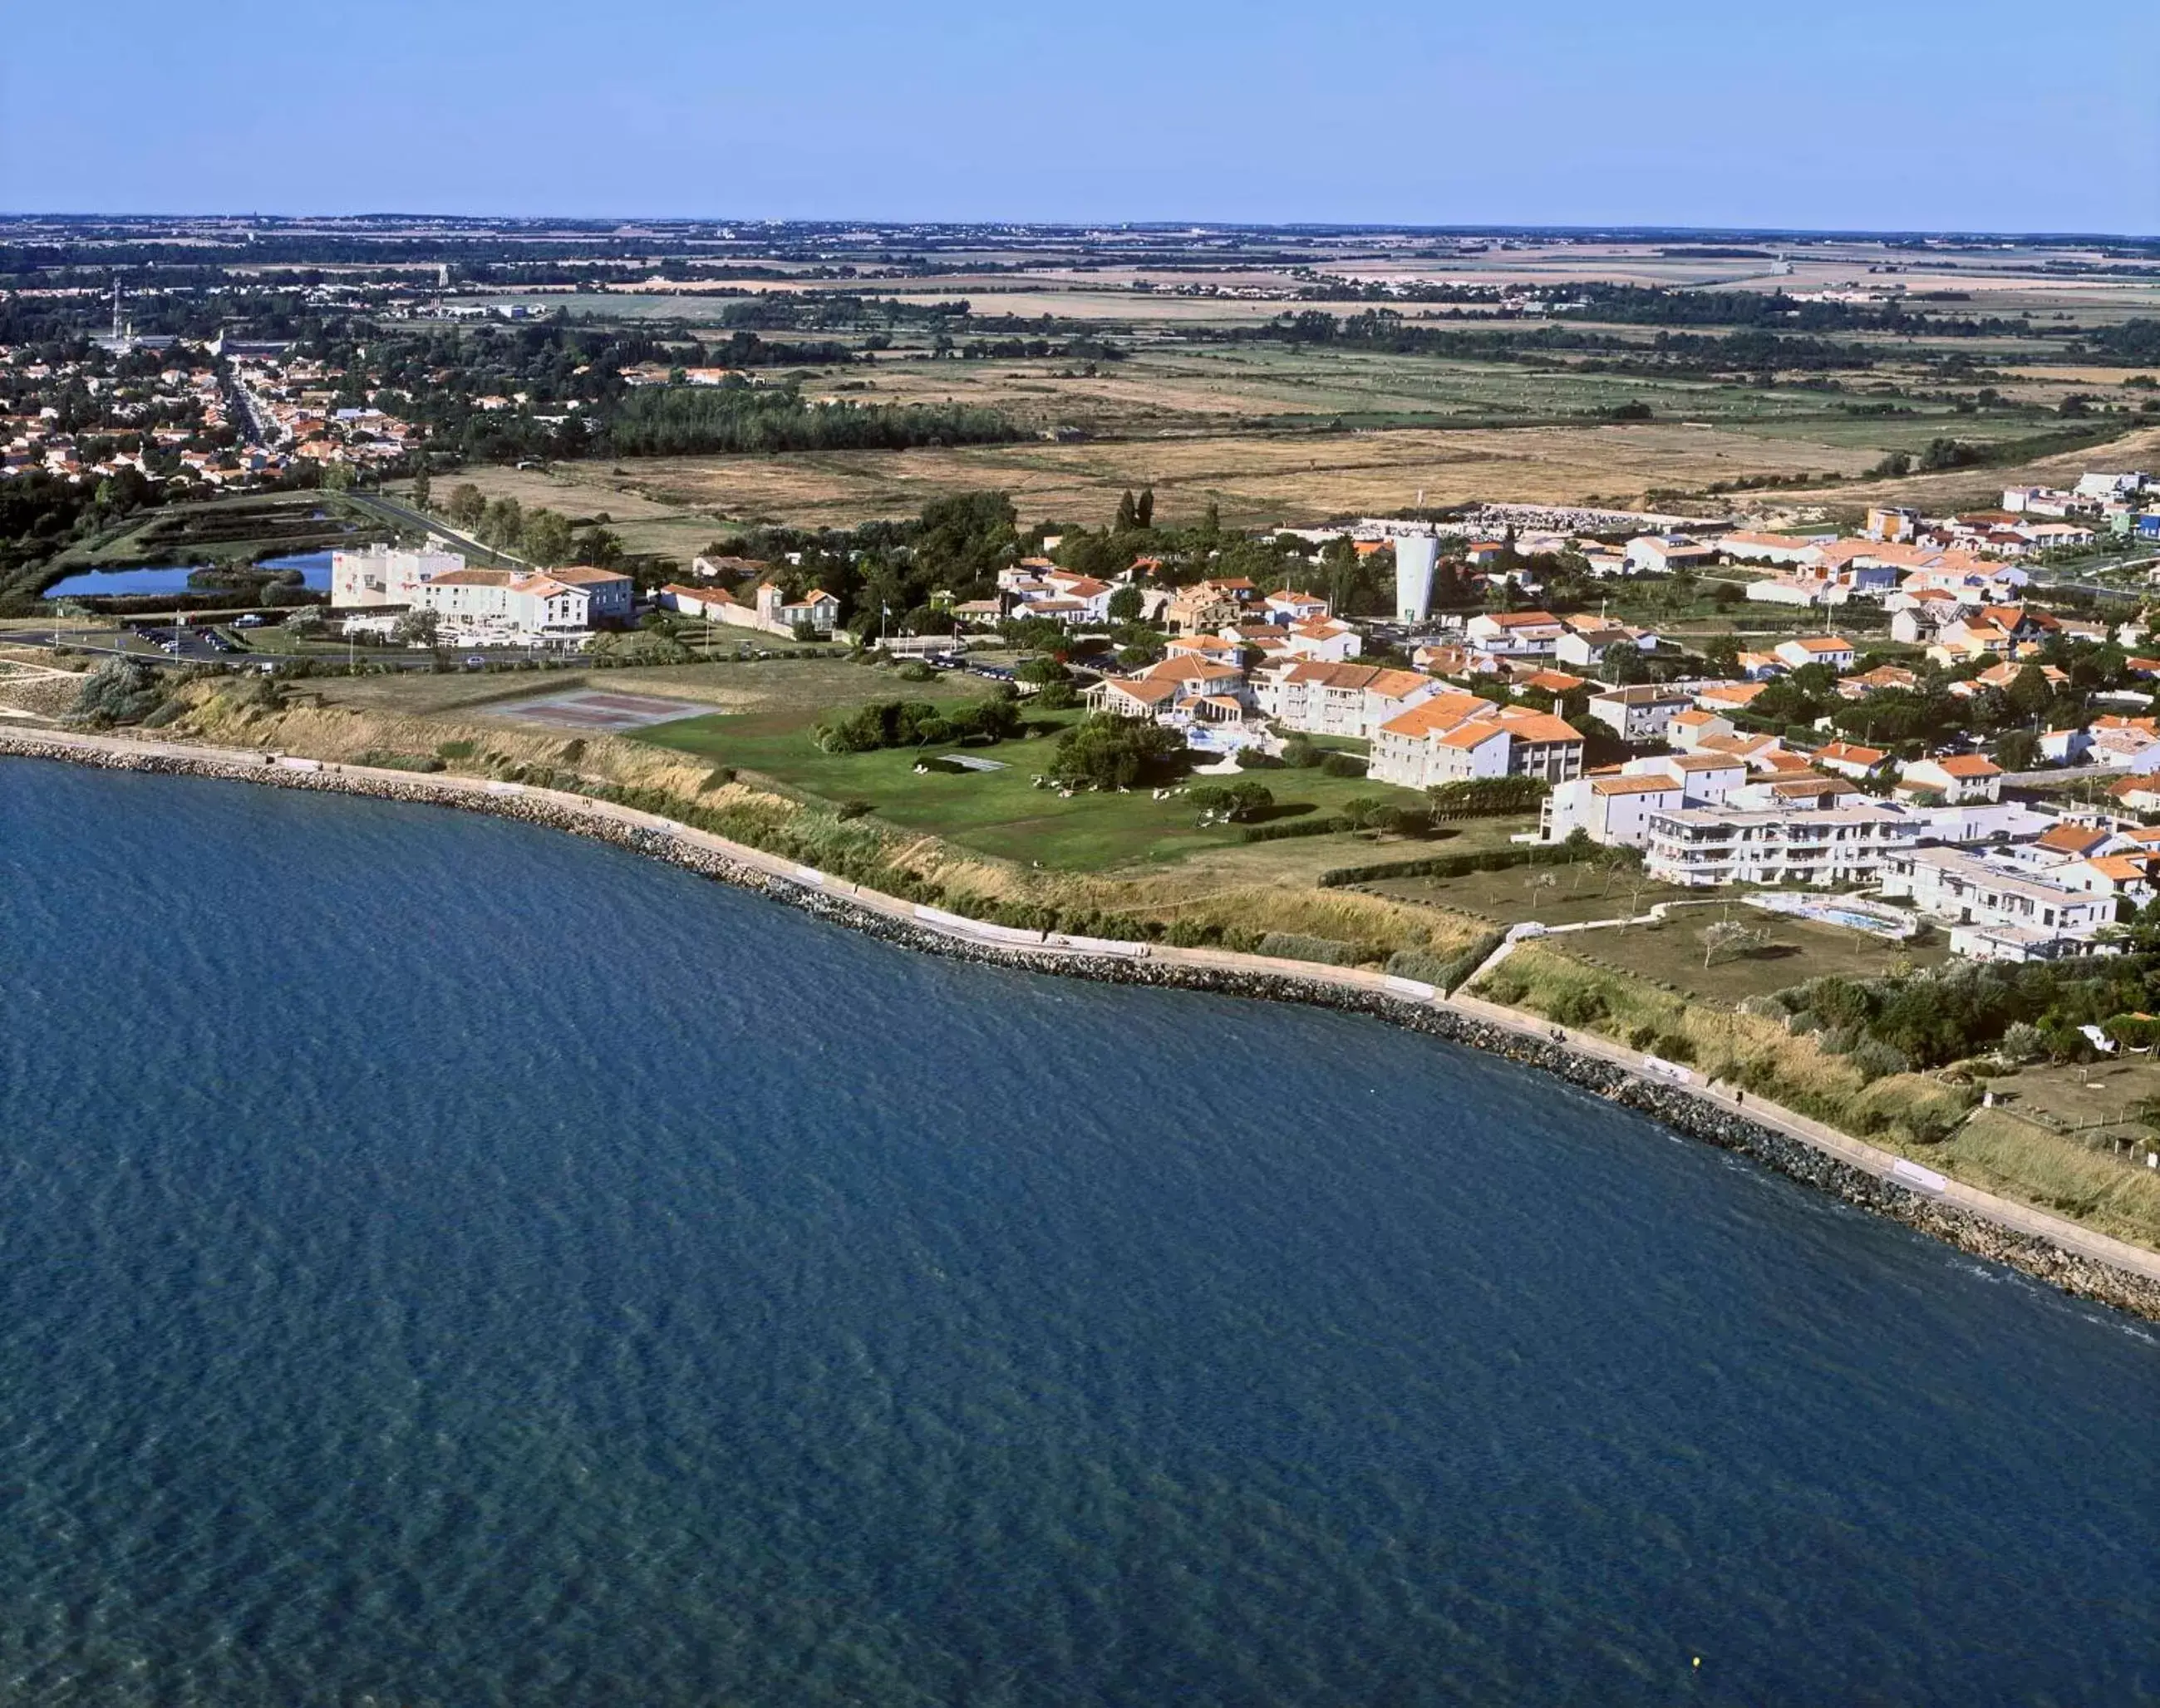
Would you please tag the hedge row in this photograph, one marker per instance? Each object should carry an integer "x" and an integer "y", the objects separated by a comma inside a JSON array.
[
  {"x": 1323, "y": 826},
  {"x": 1499, "y": 859}
]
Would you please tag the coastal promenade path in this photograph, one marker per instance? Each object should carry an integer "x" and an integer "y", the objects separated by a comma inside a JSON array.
[{"x": 478, "y": 792}]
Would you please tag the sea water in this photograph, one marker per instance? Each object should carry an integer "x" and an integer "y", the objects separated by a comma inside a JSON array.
[{"x": 447, "y": 1262}]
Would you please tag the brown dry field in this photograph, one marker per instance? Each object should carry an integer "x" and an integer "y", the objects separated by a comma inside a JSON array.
[{"x": 676, "y": 505}]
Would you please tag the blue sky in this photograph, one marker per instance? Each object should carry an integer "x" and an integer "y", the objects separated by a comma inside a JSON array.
[{"x": 1920, "y": 114}]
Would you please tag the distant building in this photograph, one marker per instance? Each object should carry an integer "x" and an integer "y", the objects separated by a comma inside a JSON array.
[{"x": 1891, "y": 522}]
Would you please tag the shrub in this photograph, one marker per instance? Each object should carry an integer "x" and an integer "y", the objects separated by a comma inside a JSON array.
[
  {"x": 2022, "y": 1043},
  {"x": 119, "y": 691},
  {"x": 2132, "y": 1031},
  {"x": 1499, "y": 859},
  {"x": 1252, "y": 759},
  {"x": 1459, "y": 966},
  {"x": 916, "y": 723},
  {"x": 1341, "y": 765},
  {"x": 1236, "y": 801},
  {"x": 1577, "y": 1005},
  {"x": 915, "y": 670},
  {"x": 1420, "y": 964},
  {"x": 1874, "y": 1060},
  {"x": 1300, "y": 755},
  {"x": 1295, "y": 946}
]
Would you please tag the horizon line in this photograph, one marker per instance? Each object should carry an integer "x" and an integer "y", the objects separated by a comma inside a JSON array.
[{"x": 1483, "y": 228}]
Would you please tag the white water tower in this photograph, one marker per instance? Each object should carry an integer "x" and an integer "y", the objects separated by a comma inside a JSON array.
[{"x": 1415, "y": 555}]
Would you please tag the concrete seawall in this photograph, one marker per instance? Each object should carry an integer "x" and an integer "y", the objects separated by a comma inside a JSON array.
[{"x": 2048, "y": 1248}]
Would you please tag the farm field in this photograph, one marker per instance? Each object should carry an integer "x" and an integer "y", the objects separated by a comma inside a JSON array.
[{"x": 1255, "y": 478}]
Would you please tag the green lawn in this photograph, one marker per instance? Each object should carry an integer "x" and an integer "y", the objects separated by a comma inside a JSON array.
[{"x": 996, "y": 813}]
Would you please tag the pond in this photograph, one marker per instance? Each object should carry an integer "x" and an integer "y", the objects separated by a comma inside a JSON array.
[{"x": 314, "y": 568}]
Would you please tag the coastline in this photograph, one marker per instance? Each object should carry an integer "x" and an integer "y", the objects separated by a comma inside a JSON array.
[{"x": 2049, "y": 1248}]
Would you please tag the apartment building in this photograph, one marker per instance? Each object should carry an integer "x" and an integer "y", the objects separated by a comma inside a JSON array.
[
  {"x": 1700, "y": 847},
  {"x": 1338, "y": 699},
  {"x": 1451, "y": 737},
  {"x": 1996, "y": 914},
  {"x": 1613, "y": 807},
  {"x": 504, "y": 606}
]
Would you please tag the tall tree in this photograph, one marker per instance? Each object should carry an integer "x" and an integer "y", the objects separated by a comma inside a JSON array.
[
  {"x": 1144, "y": 511},
  {"x": 467, "y": 506},
  {"x": 546, "y": 538}
]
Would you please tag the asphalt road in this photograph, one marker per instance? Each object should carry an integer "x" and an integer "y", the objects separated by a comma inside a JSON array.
[
  {"x": 404, "y": 515},
  {"x": 196, "y": 649}
]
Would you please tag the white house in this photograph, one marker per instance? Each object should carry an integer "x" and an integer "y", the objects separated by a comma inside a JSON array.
[
  {"x": 767, "y": 609},
  {"x": 1184, "y": 688},
  {"x": 1785, "y": 549},
  {"x": 1787, "y": 590},
  {"x": 1506, "y": 633},
  {"x": 1324, "y": 638},
  {"x": 1832, "y": 650},
  {"x": 1286, "y": 607},
  {"x": 1662, "y": 554},
  {"x": 1849, "y": 759},
  {"x": 1586, "y": 647},
  {"x": 1639, "y": 713},
  {"x": 1961, "y": 777}
]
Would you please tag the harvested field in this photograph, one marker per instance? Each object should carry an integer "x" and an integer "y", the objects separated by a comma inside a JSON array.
[{"x": 1254, "y": 478}]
